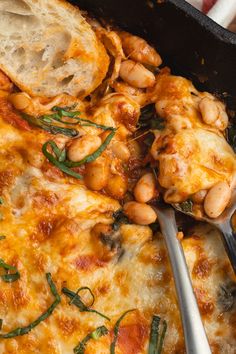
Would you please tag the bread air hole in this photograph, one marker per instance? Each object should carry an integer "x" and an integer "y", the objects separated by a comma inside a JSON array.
[
  {"x": 66, "y": 80},
  {"x": 18, "y": 7},
  {"x": 19, "y": 53}
]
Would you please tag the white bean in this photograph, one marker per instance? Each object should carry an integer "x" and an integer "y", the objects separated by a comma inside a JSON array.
[
  {"x": 120, "y": 150},
  {"x": 117, "y": 186},
  {"x": 144, "y": 190},
  {"x": 135, "y": 149},
  {"x": 223, "y": 119},
  {"x": 140, "y": 213},
  {"x": 217, "y": 199},
  {"x": 139, "y": 50},
  {"x": 20, "y": 100},
  {"x": 136, "y": 74},
  {"x": 209, "y": 110},
  {"x": 97, "y": 174},
  {"x": 83, "y": 146}
]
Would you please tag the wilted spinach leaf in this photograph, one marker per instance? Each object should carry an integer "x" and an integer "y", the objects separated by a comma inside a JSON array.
[
  {"x": 120, "y": 218},
  {"x": 150, "y": 120}
]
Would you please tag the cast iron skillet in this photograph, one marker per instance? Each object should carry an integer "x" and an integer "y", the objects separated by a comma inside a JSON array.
[{"x": 189, "y": 42}]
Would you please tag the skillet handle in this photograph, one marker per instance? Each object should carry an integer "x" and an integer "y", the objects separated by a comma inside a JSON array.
[
  {"x": 195, "y": 337},
  {"x": 229, "y": 240}
]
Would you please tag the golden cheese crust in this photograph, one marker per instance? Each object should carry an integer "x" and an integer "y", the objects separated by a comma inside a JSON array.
[
  {"x": 192, "y": 154},
  {"x": 50, "y": 224}
]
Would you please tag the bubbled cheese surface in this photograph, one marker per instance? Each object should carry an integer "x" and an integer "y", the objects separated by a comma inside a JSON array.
[{"x": 47, "y": 220}]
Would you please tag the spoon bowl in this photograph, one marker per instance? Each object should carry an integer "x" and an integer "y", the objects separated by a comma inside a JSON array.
[{"x": 224, "y": 224}]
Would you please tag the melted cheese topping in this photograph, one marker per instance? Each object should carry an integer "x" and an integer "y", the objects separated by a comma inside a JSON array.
[
  {"x": 195, "y": 159},
  {"x": 48, "y": 218},
  {"x": 191, "y": 154}
]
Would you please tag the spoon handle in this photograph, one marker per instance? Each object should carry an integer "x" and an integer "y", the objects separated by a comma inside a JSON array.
[
  {"x": 229, "y": 240},
  {"x": 195, "y": 337}
]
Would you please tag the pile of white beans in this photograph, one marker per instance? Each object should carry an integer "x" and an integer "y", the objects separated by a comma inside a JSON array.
[{"x": 134, "y": 56}]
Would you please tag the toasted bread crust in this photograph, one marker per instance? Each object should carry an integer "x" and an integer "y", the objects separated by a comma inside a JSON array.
[{"x": 51, "y": 49}]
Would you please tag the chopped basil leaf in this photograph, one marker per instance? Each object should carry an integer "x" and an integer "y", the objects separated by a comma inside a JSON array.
[
  {"x": 62, "y": 156},
  {"x": 96, "y": 334},
  {"x": 76, "y": 300},
  {"x": 47, "y": 119},
  {"x": 154, "y": 335},
  {"x": 59, "y": 160},
  {"x": 100, "y": 331},
  {"x": 81, "y": 289},
  {"x": 2, "y": 237},
  {"x": 116, "y": 331},
  {"x": 65, "y": 108},
  {"x": 44, "y": 123},
  {"x": 120, "y": 218},
  {"x": 20, "y": 331},
  {"x": 163, "y": 333},
  {"x": 88, "y": 123},
  {"x": 156, "y": 344},
  {"x": 9, "y": 277},
  {"x": 92, "y": 157},
  {"x": 1, "y": 201},
  {"x": 60, "y": 165},
  {"x": 1, "y": 322},
  {"x": 186, "y": 207}
]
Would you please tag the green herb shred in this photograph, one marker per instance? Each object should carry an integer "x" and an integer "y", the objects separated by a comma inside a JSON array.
[
  {"x": 2, "y": 237},
  {"x": 9, "y": 277},
  {"x": 76, "y": 300},
  {"x": 162, "y": 337},
  {"x": 57, "y": 161},
  {"x": 116, "y": 331},
  {"x": 62, "y": 112},
  {"x": 1, "y": 322},
  {"x": 24, "y": 330},
  {"x": 81, "y": 289},
  {"x": 186, "y": 207},
  {"x": 44, "y": 122},
  {"x": 96, "y": 334},
  {"x": 156, "y": 341},
  {"x": 1, "y": 201},
  {"x": 92, "y": 157},
  {"x": 154, "y": 335}
]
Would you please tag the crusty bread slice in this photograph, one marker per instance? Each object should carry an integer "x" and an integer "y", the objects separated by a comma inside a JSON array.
[{"x": 47, "y": 48}]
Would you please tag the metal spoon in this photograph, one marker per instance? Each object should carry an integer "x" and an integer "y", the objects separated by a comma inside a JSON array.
[
  {"x": 195, "y": 337},
  {"x": 223, "y": 223}
]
